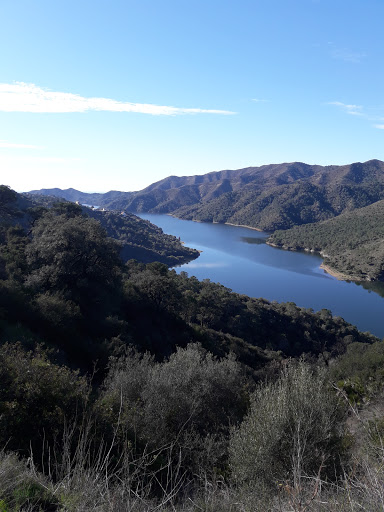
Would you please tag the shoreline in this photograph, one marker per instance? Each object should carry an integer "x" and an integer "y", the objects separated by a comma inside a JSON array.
[
  {"x": 225, "y": 223},
  {"x": 241, "y": 226},
  {"x": 335, "y": 273},
  {"x": 340, "y": 276}
]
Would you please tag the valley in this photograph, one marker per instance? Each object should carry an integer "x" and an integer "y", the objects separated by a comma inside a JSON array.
[{"x": 335, "y": 210}]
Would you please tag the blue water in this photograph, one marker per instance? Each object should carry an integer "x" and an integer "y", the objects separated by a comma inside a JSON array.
[{"x": 238, "y": 258}]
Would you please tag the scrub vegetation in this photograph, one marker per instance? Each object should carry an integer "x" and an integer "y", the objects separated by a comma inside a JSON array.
[{"x": 127, "y": 387}]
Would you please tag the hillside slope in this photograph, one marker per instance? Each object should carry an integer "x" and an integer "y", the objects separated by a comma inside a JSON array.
[
  {"x": 141, "y": 240},
  {"x": 270, "y": 197},
  {"x": 138, "y": 238},
  {"x": 280, "y": 197},
  {"x": 352, "y": 243}
]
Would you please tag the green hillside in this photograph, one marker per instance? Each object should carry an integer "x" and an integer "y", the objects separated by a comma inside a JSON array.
[
  {"x": 126, "y": 386},
  {"x": 352, "y": 243},
  {"x": 142, "y": 240},
  {"x": 138, "y": 238},
  {"x": 270, "y": 197}
]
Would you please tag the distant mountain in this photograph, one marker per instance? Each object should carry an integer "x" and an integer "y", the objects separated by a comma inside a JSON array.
[
  {"x": 269, "y": 197},
  {"x": 71, "y": 194}
]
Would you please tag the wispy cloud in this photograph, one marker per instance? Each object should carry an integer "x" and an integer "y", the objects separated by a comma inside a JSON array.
[
  {"x": 23, "y": 97},
  {"x": 355, "y": 110},
  {"x": 13, "y": 145},
  {"x": 344, "y": 53},
  {"x": 258, "y": 100},
  {"x": 348, "y": 55},
  {"x": 373, "y": 114}
]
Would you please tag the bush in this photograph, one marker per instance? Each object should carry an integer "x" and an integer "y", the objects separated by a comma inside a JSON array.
[
  {"x": 189, "y": 401},
  {"x": 294, "y": 428},
  {"x": 37, "y": 398}
]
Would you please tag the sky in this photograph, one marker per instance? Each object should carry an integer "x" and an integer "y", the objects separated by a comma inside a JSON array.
[{"x": 116, "y": 95}]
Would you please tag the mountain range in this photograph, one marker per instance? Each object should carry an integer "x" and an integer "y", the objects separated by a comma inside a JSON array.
[
  {"x": 270, "y": 197},
  {"x": 336, "y": 210}
]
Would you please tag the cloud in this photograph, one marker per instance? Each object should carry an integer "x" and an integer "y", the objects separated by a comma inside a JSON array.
[
  {"x": 348, "y": 55},
  {"x": 373, "y": 114},
  {"x": 23, "y": 97},
  {"x": 13, "y": 145},
  {"x": 257, "y": 100},
  {"x": 355, "y": 110}
]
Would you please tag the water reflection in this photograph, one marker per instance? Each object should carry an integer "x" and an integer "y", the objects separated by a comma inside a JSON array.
[
  {"x": 253, "y": 240},
  {"x": 375, "y": 287}
]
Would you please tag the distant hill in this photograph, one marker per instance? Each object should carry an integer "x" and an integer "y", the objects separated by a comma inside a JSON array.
[
  {"x": 270, "y": 197},
  {"x": 71, "y": 194},
  {"x": 352, "y": 243},
  {"x": 139, "y": 239}
]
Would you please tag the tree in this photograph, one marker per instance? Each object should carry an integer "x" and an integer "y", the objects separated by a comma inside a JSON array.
[
  {"x": 12, "y": 253},
  {"x": 72, "y": 255},
  {"x": 193, "y": 390},
  {"x": 8, "y": 198},
  {"x": 159, "y": 286}
]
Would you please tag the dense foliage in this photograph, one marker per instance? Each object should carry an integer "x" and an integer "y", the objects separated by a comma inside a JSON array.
[
  {"x": 141, "y": 240},
  {"x": 124, "y": 386},
  {"x": 138, "y": 238},
  {"x": 352, "y": 243}
]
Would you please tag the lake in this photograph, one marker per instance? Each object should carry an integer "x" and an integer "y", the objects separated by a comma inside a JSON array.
[{"x": 239, "y": 258}]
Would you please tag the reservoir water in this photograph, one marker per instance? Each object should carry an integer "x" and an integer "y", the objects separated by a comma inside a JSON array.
[{"x": 239, "y": 258}]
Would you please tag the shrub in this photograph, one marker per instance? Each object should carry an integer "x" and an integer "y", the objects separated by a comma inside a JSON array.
[
  {"x": 294, "y": 428},
  {"x": 37, "y": 398},
  {"x": 189, "y": 400}
]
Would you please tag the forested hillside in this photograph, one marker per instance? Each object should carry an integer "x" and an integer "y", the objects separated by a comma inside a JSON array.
[
  {"x": 352, "y": 243},
  {"x": 125, "y": 386},
  {"x": 66, "y": 256},
  {"x": 138, "y": 238},
  {"x": 280, "y": 197},
  {"x": 269, "y": 197}
]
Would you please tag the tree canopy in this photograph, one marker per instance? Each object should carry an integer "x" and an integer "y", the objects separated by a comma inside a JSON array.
[{"x": 71, "y": 255}]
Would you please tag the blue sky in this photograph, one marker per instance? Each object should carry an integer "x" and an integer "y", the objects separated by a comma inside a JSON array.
[{"x": 101, "y": 95}]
